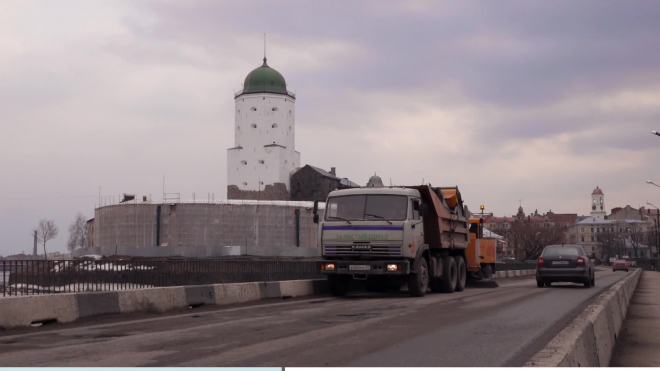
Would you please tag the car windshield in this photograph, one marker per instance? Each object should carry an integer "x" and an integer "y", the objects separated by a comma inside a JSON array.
[
  {"x": 561, "y": 250},
  {"x": 367, "y": 207}
]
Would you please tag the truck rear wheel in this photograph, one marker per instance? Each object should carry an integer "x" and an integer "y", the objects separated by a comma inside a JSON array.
[
  {"x": 418, "y": 282},
  {"x": 339, "y": 284},
  {"x": 449, "y": 275},
  {"x": 461, "y": 271}
]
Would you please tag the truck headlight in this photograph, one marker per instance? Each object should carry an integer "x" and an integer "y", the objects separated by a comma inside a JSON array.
[
  {"x": 329, "y": 267},
  {"x": 392, "y": 267}
]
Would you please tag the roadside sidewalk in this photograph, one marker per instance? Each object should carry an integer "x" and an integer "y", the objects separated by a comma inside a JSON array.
[{"x": 638, "y": 344}]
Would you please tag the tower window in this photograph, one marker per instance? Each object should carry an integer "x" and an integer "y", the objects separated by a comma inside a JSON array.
[
  {"x": 254, "y": 126},
  {"x": 253, "y": 109},
  {"x": 243, "y": 162},
  {"x": 274, "y": 108},
  {"x": 274, "y": 126}
]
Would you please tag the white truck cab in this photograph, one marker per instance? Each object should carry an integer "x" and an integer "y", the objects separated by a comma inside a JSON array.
[{"x": 370, "y": 232}]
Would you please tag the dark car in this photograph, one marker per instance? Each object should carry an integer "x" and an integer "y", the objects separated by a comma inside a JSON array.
[
  {"x": 565, "y": 263},
  {"x": 620, "y": 265}
]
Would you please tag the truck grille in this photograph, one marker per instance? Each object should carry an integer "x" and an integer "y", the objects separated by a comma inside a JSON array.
[{"x": 347, "y": 250}]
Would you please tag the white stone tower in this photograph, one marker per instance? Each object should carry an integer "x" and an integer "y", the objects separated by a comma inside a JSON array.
[
  {"x": 264, "y": 155},
  {"x": 598, "y": 204}
]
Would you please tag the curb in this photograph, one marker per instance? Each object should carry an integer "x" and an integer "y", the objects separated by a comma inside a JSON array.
[
  {"x": 63, "y": 308},
  {"x": 588, "y": 340}
]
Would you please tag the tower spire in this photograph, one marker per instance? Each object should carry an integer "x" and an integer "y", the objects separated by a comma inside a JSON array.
[{"x": 265, "y": 49}]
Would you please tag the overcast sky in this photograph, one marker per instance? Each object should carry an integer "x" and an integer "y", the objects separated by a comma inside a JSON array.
[{"x": 509, "y": 100}]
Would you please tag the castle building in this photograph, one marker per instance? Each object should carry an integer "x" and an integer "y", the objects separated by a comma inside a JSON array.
[{"x": 264, "y": 156}]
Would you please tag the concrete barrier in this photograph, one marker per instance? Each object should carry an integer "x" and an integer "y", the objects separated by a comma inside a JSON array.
[
  {"x": 237, "y": 293},
  {"x": 97, "y": 303},
  {"x": 588, "y": 341},
  {"x": 23, "y": 311}
]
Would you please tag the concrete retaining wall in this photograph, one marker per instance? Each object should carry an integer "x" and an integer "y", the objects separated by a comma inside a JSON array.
[
  {"x": 205, "y": 229},
  {"x": 23, "y": 311},
  {"x": 588, "y": 341}
]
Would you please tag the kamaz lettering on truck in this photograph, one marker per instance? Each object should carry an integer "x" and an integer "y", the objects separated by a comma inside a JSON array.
[{"x": 391, "y": 236}]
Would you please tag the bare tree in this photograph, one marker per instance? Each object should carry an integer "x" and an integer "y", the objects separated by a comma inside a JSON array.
[
  {"x": 46, "y": 231},
  {"x": 531, "y": 238},
  {"x": 78, "y": 233}
]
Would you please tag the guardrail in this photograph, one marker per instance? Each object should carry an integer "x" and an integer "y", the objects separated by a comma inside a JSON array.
[{"x": 35, "y": 277}]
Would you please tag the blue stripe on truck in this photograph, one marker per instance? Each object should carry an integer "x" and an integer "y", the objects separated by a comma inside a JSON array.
[{"x": 361, "y": 228}]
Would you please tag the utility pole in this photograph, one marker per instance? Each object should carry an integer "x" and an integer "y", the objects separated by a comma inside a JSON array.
[{"x": 35, "y": 244}]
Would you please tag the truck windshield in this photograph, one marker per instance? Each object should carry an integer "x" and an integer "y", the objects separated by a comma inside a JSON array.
[{"x": 367, "y": 207}]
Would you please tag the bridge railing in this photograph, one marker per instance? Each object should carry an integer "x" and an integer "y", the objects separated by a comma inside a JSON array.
[{"x": 35, "y": 277}]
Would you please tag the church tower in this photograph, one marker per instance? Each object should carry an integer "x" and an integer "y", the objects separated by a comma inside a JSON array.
[
  {"x": 264, "y": 155},
  {"x": 598, "y": 204}
]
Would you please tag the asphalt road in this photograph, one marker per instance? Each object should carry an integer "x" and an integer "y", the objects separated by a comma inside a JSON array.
[{"x": 478, "y": 327}]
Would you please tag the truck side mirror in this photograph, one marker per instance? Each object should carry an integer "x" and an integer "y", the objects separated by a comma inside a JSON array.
[
  {"x": 423, "y": 209},
  {"x": 316, "y": 208},
  {"x": 316, "y": 218}
]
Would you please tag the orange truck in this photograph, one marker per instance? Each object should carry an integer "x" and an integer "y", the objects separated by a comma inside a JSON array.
[{"x": 481, "y": 254}]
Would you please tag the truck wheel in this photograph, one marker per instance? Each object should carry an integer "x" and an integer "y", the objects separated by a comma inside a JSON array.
[
  {"x": 449, "y": 275},
  {"x": 461, "y": 271},
  {"x": 487, "y": 272},
  {"x": 418, "y": 282},
  {"x": 339, "y": 284}
]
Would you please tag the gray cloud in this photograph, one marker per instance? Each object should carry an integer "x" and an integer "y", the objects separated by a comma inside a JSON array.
[{"x": 534, "y": 100}]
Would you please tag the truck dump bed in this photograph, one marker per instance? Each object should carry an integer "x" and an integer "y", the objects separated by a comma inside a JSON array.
[{"x": 445, "y": 225}]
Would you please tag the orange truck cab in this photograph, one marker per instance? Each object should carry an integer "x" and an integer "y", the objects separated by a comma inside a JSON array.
[{"x": 481, "y": 252}]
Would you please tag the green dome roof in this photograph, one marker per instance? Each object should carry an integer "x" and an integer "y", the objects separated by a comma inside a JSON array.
[{"x": 264, "y": 80}]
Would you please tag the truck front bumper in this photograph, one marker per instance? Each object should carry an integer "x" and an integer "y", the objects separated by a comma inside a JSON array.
[{"x": 361, "y": 267}]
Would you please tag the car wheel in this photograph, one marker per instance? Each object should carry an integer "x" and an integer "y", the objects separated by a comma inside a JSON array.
[
  {"x": 593, "y": 279},
  {"x": 539, "y": 283},
  {"x": 587, "y": 283},
  {"x": 548, "y": 283}
]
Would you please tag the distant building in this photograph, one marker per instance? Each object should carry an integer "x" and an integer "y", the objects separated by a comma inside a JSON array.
[
  {"x": 626, "y": 231},
  {"x": 314, "y": 184},
  {"x": 90, "y": 233},
  {"x": 24, "y": 256},
  {"x": 598, "y": 210}
]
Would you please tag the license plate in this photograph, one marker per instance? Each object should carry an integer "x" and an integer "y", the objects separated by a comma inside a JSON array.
[
  {"x": 359, "y": 267},
  {"x": 559, "y": 263}
]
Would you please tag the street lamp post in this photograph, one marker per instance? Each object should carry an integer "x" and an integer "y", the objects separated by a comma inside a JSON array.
[{"x": 657, "y": 230}]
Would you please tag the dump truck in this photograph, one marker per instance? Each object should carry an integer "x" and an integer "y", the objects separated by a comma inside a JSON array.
[{"x": 391, "y": 236}]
